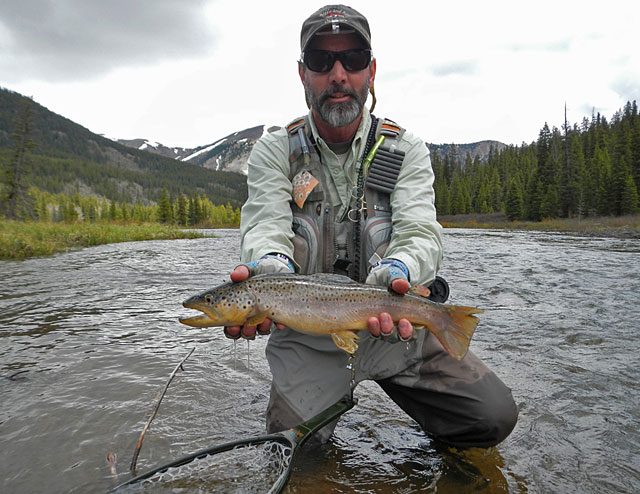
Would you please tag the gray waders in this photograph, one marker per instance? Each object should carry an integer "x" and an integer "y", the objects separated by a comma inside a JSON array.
[{"x": 461, "y": 403}]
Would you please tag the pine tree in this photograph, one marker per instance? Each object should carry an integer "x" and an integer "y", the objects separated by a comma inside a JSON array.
[
  {"x": 629, "y": 198},
  {"x": 549, "y": 204},
  {"x": 514, "y": 203},
  {"x": 458, "y": 199},
  {"x": 572, "y": 180},
  {"x": 182, "y": 217},
  {"x": 15, "y": 200},
  {"x": 533, "y": 199},
  {"x": 124, "y": 211},
  {"x": 195, "y": 211},
  {"x": 165, "y": 208},
  {"x": 595, "y": 192},
  {"x": 624, "y": 194}
]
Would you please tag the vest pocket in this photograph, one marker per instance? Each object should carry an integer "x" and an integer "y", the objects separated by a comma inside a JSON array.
[
  {"x": 377, "y": 235},
  {"x": 305, "y": 243}
]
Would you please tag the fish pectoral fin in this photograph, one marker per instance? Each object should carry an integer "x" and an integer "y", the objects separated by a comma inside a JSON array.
[
  {"x": 420, "y": 291},
  {"x": 345, "y": 340},
  {"x": 255, "y": 320}
]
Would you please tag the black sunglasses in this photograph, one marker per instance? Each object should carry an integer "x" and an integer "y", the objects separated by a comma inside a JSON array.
[{"x": 323, "y": 60}]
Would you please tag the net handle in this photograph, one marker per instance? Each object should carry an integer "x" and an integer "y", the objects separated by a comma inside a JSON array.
[{"x": 307, "y": 429}]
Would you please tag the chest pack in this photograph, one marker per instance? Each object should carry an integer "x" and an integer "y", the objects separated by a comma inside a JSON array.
[{"x": 348, "y": 244}]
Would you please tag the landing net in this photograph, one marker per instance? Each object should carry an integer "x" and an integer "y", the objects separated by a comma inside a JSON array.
[{"x": 253, "y": 468}]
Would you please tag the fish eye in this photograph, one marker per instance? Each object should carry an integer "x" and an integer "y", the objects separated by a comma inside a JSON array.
[{"x": 208, "y": 299}]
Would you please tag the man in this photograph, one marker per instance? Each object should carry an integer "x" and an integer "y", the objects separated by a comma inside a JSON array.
[{"x": 312, "y": 208}]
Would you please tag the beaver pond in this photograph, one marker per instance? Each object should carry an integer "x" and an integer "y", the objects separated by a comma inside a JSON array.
[{"x": 89, "y": 338}]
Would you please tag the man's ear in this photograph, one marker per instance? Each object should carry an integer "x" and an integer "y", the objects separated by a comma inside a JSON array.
[
  {"x": 301, "y": 72},
  {"x": 372, "y": 72}
]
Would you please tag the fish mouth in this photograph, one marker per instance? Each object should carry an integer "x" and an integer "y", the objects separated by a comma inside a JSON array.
[
  {"x": 209, "y": 317},
  {"x": 201, "y": 321}
]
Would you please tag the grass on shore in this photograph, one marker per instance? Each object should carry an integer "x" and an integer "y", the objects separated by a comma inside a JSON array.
[
  {"x": 608, "y": 226},
  {"x": 19, "y": 240}
]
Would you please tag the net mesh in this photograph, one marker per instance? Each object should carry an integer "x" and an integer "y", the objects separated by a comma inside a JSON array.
[{"x": 244, "y": 469}]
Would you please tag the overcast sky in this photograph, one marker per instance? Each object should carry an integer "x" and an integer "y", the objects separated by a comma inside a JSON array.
[{"x": 186, "y": 73}]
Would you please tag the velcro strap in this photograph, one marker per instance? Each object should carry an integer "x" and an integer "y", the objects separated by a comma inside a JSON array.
[
  {"x": 293, "y": 127},
  {"x": 390, "y": 129}
]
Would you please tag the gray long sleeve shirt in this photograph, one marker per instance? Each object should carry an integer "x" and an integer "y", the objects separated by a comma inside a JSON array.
[{"x": 266, "y": 223}]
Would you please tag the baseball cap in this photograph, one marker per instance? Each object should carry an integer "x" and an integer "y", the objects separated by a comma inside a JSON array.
[{"x": 337, "y": 19}]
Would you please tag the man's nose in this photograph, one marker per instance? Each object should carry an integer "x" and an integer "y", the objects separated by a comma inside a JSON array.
[{"x": 338, "y": 73}]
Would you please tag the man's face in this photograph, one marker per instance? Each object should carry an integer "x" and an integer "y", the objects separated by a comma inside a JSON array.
[{"x": 338, "y": 95}]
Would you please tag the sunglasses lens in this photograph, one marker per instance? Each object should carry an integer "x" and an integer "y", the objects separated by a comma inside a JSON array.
[
  {"x": 318, "y": 60},
  {"x": 355, "y": 60},
  {"x": 323, "y": 61}
]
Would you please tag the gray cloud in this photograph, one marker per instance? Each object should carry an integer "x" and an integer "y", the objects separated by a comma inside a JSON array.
[
  {"x": 627, "y": 87},
  {"x": 461, "y": 67},
  {"x": 78, "y": 39},
  {"x": 558, "y": 45}
]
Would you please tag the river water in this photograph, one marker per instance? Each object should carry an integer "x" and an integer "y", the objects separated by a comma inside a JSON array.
[{"x": 88, "y": 338}]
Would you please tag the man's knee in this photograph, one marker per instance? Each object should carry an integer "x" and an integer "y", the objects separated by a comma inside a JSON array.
[
  {"x": 492, "y": 427},
  {"x": 470, "y": 414},
  {"x": 486, "y": 423}
]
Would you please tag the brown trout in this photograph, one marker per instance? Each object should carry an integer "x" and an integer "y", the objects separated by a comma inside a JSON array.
[{"x": 324, "y": 304}]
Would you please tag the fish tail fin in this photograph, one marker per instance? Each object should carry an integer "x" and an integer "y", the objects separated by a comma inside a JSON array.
[{"x": 455, "y": 329}]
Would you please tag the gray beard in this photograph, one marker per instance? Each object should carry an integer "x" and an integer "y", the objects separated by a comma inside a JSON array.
[{"x": 337, "y": 114}]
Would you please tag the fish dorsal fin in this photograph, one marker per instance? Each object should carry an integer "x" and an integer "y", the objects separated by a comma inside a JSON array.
[
  {"x": 332, "y": 278},
  {"x": 345, "y": 340},
  {"x": 420, "y": 291}
]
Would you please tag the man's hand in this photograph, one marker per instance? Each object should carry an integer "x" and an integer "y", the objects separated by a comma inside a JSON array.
[
  {"x": 267, "y": 264},
  {"x": 394, "y": 275}
]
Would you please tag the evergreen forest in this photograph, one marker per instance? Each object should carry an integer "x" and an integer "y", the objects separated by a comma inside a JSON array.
[{"x": 590, "y": 169}]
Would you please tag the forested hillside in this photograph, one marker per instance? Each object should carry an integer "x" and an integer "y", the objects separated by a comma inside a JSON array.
[
  {"x": 66, "y": 157},
  {"x": 586, "y": 169},
  {"x": 590, "y": 169}
]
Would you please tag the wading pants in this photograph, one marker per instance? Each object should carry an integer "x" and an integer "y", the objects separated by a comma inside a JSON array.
[{"x": 461, "y": 403}]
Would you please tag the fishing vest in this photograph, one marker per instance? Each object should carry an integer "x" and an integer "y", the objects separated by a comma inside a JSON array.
[{"x": 349, "y": 245}]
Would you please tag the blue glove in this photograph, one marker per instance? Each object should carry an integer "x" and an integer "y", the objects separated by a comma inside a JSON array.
[
  {"x": 385, "y": 271},
  {"x": 271, "y": 263}
]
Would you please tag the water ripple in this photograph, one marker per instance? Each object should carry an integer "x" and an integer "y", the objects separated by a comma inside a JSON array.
[{"x": 97, "y": 331}]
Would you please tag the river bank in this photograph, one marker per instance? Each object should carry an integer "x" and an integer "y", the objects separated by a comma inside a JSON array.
[
  {"x": 20, "y": 240},
  {"x": 604, "y": 226}
]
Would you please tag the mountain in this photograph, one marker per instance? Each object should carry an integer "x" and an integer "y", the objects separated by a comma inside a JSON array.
[
  {"x": 232, "y": 152},
  {"x": 155, "y": 147},
  {"x": 69, "y": 158},
  {"x": 475, "y": 149},
  {"x": 227, "y": 154}
]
